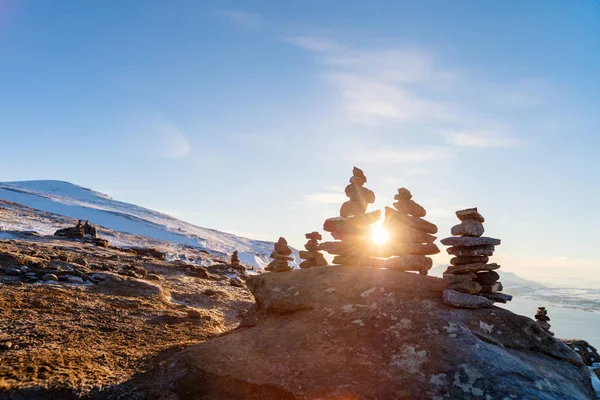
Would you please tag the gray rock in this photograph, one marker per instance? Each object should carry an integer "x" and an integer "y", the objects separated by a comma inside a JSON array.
[
  {"x": 80, "y": 261},
  {"x": 464, "y": 300},
  {"x": 469, "y": 241},
  {"x": 470, "y": 213},
  {"x": 12, "y": 271},
  {"x": 487, "y": 278},
  {"x": 24, "y": 269},
  {"x": 469, "y": 260},
  {"x": 74, "y": 279},
  {"x": 50, "y": 277},
  {"x": 361, "y": 333},
  {"x": 470, "y": 268},
  {"x": 497, "y": 297},
  {"x": 487, "y": 250},
  {"x": 466, "y": 287},
  {"x": 468, "y": 227},
  {"x": 454, "y": 278},
  {"x": 409, "y": 263}
]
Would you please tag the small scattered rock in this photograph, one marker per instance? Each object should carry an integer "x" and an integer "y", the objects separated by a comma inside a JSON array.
[
  {"x": 80, "y": 261},
  {"x": 50, "y": 277},
  {"x": 6, "y": 345},
  {"x": 12, "y": 271},
  {"x": 74, "y": 279},
  {"x": 153, "y": 277}
]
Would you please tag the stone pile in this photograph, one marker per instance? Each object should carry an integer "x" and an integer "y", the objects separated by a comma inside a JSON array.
[
  {"x": 234, "y": 261},
  {"x": 351, "y": 229},
  {"x": 410, "y": 236},
  {"x": 542, "y": 318},
  {"x": 280, "y": 256},
  {"x": 470, "y": 273},
  {"x": 312, "y": 257}
]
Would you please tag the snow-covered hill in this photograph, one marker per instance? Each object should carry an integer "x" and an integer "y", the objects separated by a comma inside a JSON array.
[{"x": 74, "y": 201}]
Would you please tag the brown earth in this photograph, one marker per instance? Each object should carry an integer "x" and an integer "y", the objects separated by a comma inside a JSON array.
[{"x": 62, "y": 340}]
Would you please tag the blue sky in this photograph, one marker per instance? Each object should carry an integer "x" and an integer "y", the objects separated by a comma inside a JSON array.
[{"x": 249, "y": 116}]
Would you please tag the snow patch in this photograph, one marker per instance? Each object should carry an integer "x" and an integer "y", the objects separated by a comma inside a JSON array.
[{"x": 485, "y": 327}]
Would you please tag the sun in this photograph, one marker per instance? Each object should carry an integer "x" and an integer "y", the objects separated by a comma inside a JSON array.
[{"x": 379, "y": 234}]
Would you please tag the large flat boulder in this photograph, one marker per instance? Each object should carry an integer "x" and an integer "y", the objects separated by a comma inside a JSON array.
[{"x": 360, "y": 333}]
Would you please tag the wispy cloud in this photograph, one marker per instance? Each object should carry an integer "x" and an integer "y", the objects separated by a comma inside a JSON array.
[
  {"x": 409, "y": 156},
  {"x": 314, "y": 43},
  {"x": 480, "y": 139},
  {"x": 243, "y": 19},
  {"x": 156, "y": 136}
]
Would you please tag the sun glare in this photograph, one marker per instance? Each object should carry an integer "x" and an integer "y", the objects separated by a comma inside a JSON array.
[{"x": 379, "y": 234}]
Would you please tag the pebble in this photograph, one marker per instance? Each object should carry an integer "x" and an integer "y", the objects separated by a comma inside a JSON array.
[
  {"x": 50, "y": 277},
  {"x": 12, "y": 271},
  {"x": 74, "y": 279}
]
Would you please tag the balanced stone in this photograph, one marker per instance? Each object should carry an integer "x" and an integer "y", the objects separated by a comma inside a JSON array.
[
  {"x": 414, "y": 222},
  {"x": 469, "y": 268},
  {"x": 354, "y": 225},
  {"x": 470, "y": 287},
  {"x": 468, "y": 227},
  {"x": 235, "y": 261},
  {"x": 487, "y": 278},
  {"x": 469, "y": 260},
  {"x": 457, "y": 278},
  {"x": 410, "y": 207},
  {"x": 469, "y": 241},
  {"x": 403, "y": 194},
  {"x": 464, "y": 300},
  {"x": 415, "y": 249},
  {"x": 409, "y": 262},
  {"x": 486, "y": 250},
  {"x": 405, "y": 234},
  {"x": 496, "y": 287},
  {"x": 497, "y": 297},
  {"x": 470, "y": 213}
]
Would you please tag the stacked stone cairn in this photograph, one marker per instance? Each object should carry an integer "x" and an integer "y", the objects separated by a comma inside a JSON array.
[
  {"x": 470, "y": 275},
  {"x": 542, "y": 318},
  {"x": 312, "y": 257},
  {"x": 280, "y": 256},
  {"x": 410, "y": 236},
  {"x": 234, "y": 262},
  {"x": 352, "y": 228}
]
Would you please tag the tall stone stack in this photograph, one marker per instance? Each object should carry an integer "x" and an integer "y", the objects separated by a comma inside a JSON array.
[
  {"x": 411, "y": 237},
  {"x": 352, "y": 228},
  {"x": 469, "y": 272},
  {"x": 312, "y": 257},
  {"x": 542, "y": 319},
  {"x": 280, "y": 256}
]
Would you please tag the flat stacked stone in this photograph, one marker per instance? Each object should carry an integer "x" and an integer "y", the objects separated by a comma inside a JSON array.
[
  {"x": 411, "y": 237},
  {"x": 542, "y": 319},
  {"x": 280, "y": 256},
  {"x": 469, "y": 271},
  {"x": 352, "y": 228},
  {"x": 312, "y": 257}
]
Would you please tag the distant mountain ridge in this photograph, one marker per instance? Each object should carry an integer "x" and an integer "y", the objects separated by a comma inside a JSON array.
[
  {"x": 508, "y": 279},
  {"x": 75, "y": 201}
]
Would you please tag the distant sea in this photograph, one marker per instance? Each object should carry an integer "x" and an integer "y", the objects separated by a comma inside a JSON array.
[{"x": 567, "y": 322}]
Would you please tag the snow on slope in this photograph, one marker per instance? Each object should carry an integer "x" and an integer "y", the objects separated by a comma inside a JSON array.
[{"x": 78, "y": 202}]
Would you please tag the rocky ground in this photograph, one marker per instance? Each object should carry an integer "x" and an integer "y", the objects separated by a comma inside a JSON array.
[{"x": 80, "y": 320}]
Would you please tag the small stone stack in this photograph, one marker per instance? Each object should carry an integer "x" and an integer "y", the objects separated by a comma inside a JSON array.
[
  {"x": 235, "y": 261},
  {"x": 469, "y": 272},
  {"x": 280, "y": 256},
  {"x": 542, "y": 318},
  {"x": 410, "y": 236},
  {"x": 351, "y": 229},
  {"x": 312, "y": 257}
]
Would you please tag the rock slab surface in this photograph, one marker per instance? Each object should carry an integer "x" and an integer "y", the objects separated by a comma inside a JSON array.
[{"x": 360, "y": 333}]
